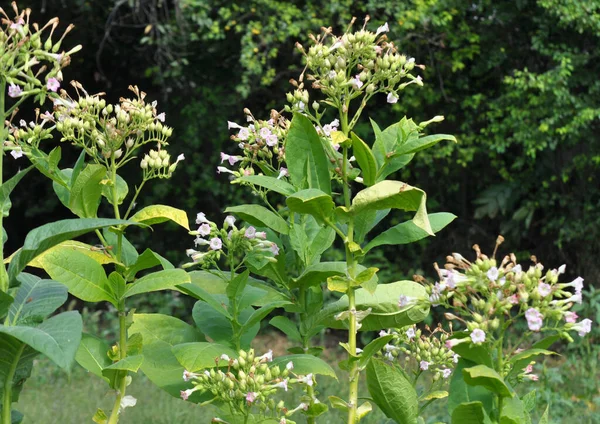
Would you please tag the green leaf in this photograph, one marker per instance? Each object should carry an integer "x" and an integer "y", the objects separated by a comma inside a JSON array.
[
  {"x": 122, "y": 190},
  {"x": 545, "y": 419},
  {"x": 92, "y": 354},
  {"x": 529, "y": 400},
  {"x": 365, "y": 221},
  {"x": 117, "y": 285},
  {"x": 156, "y": 214},
  {"x": 218, "y": 304},
  {"x": 86, "y": 191},
  {"x": 365, "y": 160},
  {"x": 115, "y": 372},
  {"x": 338, "y": 403},
  {"x": 6, "y": 189},
  {"x": 97, "y": 254},
  {"x": 284, "y": 324},
  {"x": 313, "y": 202},
  {"x": 260, "y": 313},
  {"x": 470, "y": 413},
  {"x": 461, "y": 392},
  {"x": 518, "y": 365},
  {"x": 47, "y": 164},
  {"x": 392, "y": 391},
  {"x": 6, "y": 301},
  {"x": 372, "y": 348},
  {"x": 160, "y": 334},
  {"x": 148, "y": 259},
  {"x": 237, "y": 285},
  {"x": 363, "y": 410},
  {"x": 198, "y": 356},
  {"x": 160, "y": 280},
  {"x": 530, "y": 353},
  {"x": 270, "y": 183},
  {"x": 421, "y": 143},
  {"x": 439, "y": 394},
  {"x": 64, "y": 192},
  {"x": 305, "y": 364},
  {"x": 48, "y": 235},
  {"x": 83, "y": 276},
  {"x": 478, "y": 354},
  {"x": 35, "y": 299},
  {"x": 259, "y": 216},
  {"x": 386, "y": 144},
  {"x": 513, "y": 412},
  {"x": 306, "y": 159},
  {"x": 57, "y": 338},
  {"x": 385, "y": 312},
  {"x": 129, "y": 254},
  {"x": 394, "y": 195},
  {"x": 219, "y": 328},
  {"x": 408, "y": 232},
  {"x": 18, "y": 355},
  {"x": 481, "y": 375},
  {"x": 318, "y": 273},
  {"x": 100, "y": 417}
]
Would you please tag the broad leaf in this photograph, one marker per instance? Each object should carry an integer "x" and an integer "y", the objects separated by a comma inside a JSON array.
[
  {"x": 218, "y": 327},
  {"x": 318, "y": 273},
  {"x": 461, "y": 392},
  {"x": 86, "y": 191},
  {"x": 198, "y": 356},
  {"x": 305, "y": 157},
  {"x": 35, "y": 299},
  {"x": 260, "y": 216},
  {"x": 6, "y": 189},
  {"x": 305, "y": 364},
  {"x": 313, "y": 202},
  {"x": 270, "y": 183},
  {"x": 122, "y": 190},
  {"x": 129, "y": 254},
  {"x": 519, "y": 364},
  {"x": 156, "y": 214},
  {"x": 481, "y": 375},
  {"x": 365, "y": 160},
  {"x": 408, "y": 232},
  {"x": 470, "y": 413},
  {"x": 148, "y": 259},
  {"x": 159, "y": 280},
  {"x": 261, "y": 313},
  {"x": 513, "y": 412},
  {"x": 284, "y": 324},
  {"x": 92, "y": 354},
  {"x": 17, "y": 355},
  {"x": 392, "y": 391},
  {"x": 421, "y": 143},
  {"x": 372, "y": 348},
  {"x": 97, "y": 253}
]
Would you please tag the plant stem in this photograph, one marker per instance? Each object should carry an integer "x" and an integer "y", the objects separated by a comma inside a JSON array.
[
  {"x": 305, "y": 345},
  {"x": 114, "y": 416},
  {"x": 7, "y": 398},
  {"x": 137, "y": 192},
  {"x": 3, "y": 274}
]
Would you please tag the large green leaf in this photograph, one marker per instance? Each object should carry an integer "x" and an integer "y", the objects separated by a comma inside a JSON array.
[
  {"x": 408, "y": 232},
  {"x": 481, "y": 375},
  {"x": 470, "y": 413},
  {"x": 57, "y": 338},
  {"x": 128, "y": 254},
  {"x": 82, "y": 275},
  {"x": 35, "y": 299},
  {"x": 365, "y": 221},
  {"x": 521, "y": 363},
  {"x": 365, "y": 160},
  {"x": 219, "y": 328},
  {"x": 95, "y": 252},
  {"x": 198, "y": 356},
  {"x": 289, "y": 328},
  {"x": 148, "y": 259},
  {"x": 48, "y": 235},
  {"x": 386, "y": 144},
  {"x": 15, "y": 354},
  {"x": 385, "y": 312},
  {"x": 461, "y": 392},
  {"x": 312, "y": 201},
  {"x": 6, "y": 301},
  {"x": 478, "y": 354},
  {"x": 421, "y": 143},
  {"x": 86, "y": 191},
  {"x": 92, "y": 354},
  {"x": 6, "y": 189},
  {"x": 305, "y": 157},
  {"x": 270, "y": 183},
  {"x": 392, "y": 391},
  {"x": 513, "y": 412},
  {"x": 160, "y": 333},
  {"x": 305, "y": 364},
  {"x": 122, "y": 190},
  {"x": 156, "y": 214},
  {"x": 318, "y": 273},
  {"x": 394, "y": 195},
  {"x": 260, "y": 216},
  {"x": 261, "y": 313},
  {"x": 159, "y": 280},
  {"x": 47, "y": 164}
]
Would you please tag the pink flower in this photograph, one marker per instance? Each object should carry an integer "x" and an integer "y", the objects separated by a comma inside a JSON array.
[
  {"x": 187, "y": 376},
  {"x": 243, "y": 134},
  {"x": 265, "y": 132},
  {"x": 261, "y": 235},
  {"x": 14, "y": 90},
  {"x": 446, "y": 372},
  {"x": 356, "y": 82},
  {"x": 544, "y": 289},
  {"x": 250, "y": 233},
  {"x": 403, "y": 301},
  {"x": 534, "y": 319},
  {"x": 571, "y": 317},
  {"x": 251, "y": 397},
  {"x": 185, "y": 394},
  {"x": 514, "y": 299},
  {"x": 53, "y": 84},
  {"x": 424, "y": 365},
  {"x": 478, "y": 336},
  {"x": 216, "y": 243},
  {"x": 271, "y": 140},
  {"x": 275, "y": 249},
  {"x": 204, "y": 229},
  {"x": 450, "y": 343},
  {"x": 283, "y": 172}
]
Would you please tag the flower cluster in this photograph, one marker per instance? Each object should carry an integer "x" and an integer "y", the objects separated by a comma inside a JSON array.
[
  {"x": 487, "y": 297},
  {"x": 26, "y": 135},
  {"x": 230, "y": 241},
  {"x": 248, "y": 384},
  {"x": 157, "y": 164},
  {"x": 427, "y": 351},
  {"x": 262, "y": 144}
]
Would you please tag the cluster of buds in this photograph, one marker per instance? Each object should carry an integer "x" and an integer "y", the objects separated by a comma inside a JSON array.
[
  {"x": 25, "y": 135},
  {"x": 262, "y": 144},
  {"x": 228, "y": 240},
  {"x": 361, "y": 63},
  {"x": 157, "y": 164},
  {"x": 483, "y": 295},
  {"x": 32, "y": 59},
  {"x": 247, "y": 384},
  {"x": 429, "y": 352},
  {"x": 110, "y": 132}
]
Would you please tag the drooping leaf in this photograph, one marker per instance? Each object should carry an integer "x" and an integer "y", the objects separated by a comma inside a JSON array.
[
  {"x": 259, "y": 216},
  {"x": 148, "y": 259},
  {"x": 392, "y": 391},
  {"x": 306, "y": 159},
  {"x": 159, "y": 280},
  {"x": 86, "y": 191},
  {"x": 198, "y": 356},
  {"x": 481, "y": 375},
  {"x": 421, "y": 143},
  {"x": 97, "y": 253},
  {"x": 157, "y": 214},
  {"x": 305, "y": 364},
  {"x": 408, "y": 232},
  {"x": 35, "y": 299},
  {"x": 513, "y": 412},
  {"x": 270, "y": 183},
  {"x": 313, "y": 202},
  {"x": 365, "y": 221}
]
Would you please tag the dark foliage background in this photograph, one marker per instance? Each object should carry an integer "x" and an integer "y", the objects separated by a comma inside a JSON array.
[{"x": 517, "y": 82}]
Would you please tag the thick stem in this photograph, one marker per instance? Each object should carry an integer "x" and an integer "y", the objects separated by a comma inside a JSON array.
[
  {"x": 3, "y": 274},
  {"x": 114, "y": 416},
  {"x": 7, "y": 398},
  {"x": 310, "y": 391}
]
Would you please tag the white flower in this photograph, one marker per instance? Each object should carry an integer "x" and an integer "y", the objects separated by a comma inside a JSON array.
[
  {"x": 478, "y": 336},
  {"x": 180, "y": 158},
  {"x": 410, "y": 333},
  {"x": 455, "y": 358},
  {"x": 230, "y": 220},
  {"x": 544, "y": 289},
  {"x": 265, "y": 132},
  {"x": 261, "y": 235},
  {"x": 225, "y": 357},
  {"x": 327, "y": 129},
  {"x": 187, "y": 376},
  {"x": 221, "y": 169},
  {"x": 283, "y": 172},
  {"x": 250, "y": 233},
  {"x": 14, "y": 90},
  {"x": 22, "y": 123},
  {"x": 534, "y": 319},
  {"x": 389, "y": 348},
  {"x": 185, "y": 394},
  {"x": 216, "y": 243},
  {"x": 383, "y": 28},
  {"x": 199, "y": 241},
  {"x": 300, "y": 106},
  {"x": 403, "y": 301},
  {"x": 274, "y": 249},
  {"x": 268, "y": 357},
  {"x": 356, "y": 82},
  {"x": 571, "y": 317},
  {"x": 231, "y": 125},
  {"x": 392, "y": 98},
  {"x": 204, "y": 229},
  {"x": 446, "y": 372},
  {"x": 289, "y": 366},
  {"x": 243, "y": 134},
  {"x": 424, "y": 365},
  {"x": 251, "y": 397},
  {"x": 383, "y": 333},
  {"x": 453, "y": 342},
  {"x": 283, "y": 385},
  {"x": 308, "y": 379},
  {"x": 562, "y": 269},
  {"x": 517, "y": 269},
  {"x": 126, "y": 402},
  {"x": 583, "y": 327},
  {"x": 17, "y": 153},
  {"x": 493, "y": 274},
  {"x": 53, "y": 84},
  {"x": 271, "y": 140},
  {"x": 332, "y": 74}
]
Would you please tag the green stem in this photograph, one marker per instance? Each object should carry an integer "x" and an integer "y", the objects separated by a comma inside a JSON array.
[
  {"x": 114, "y": 416},
  {"x": 137, "y": 192},
  {"x": 7, "y": 398},
  {"x": 310, "y": 391},
  {"x": 3, "y": 274}
]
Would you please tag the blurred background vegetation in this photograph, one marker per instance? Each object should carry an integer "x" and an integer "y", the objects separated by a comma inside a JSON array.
[{"x": 518, "y": 82}]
